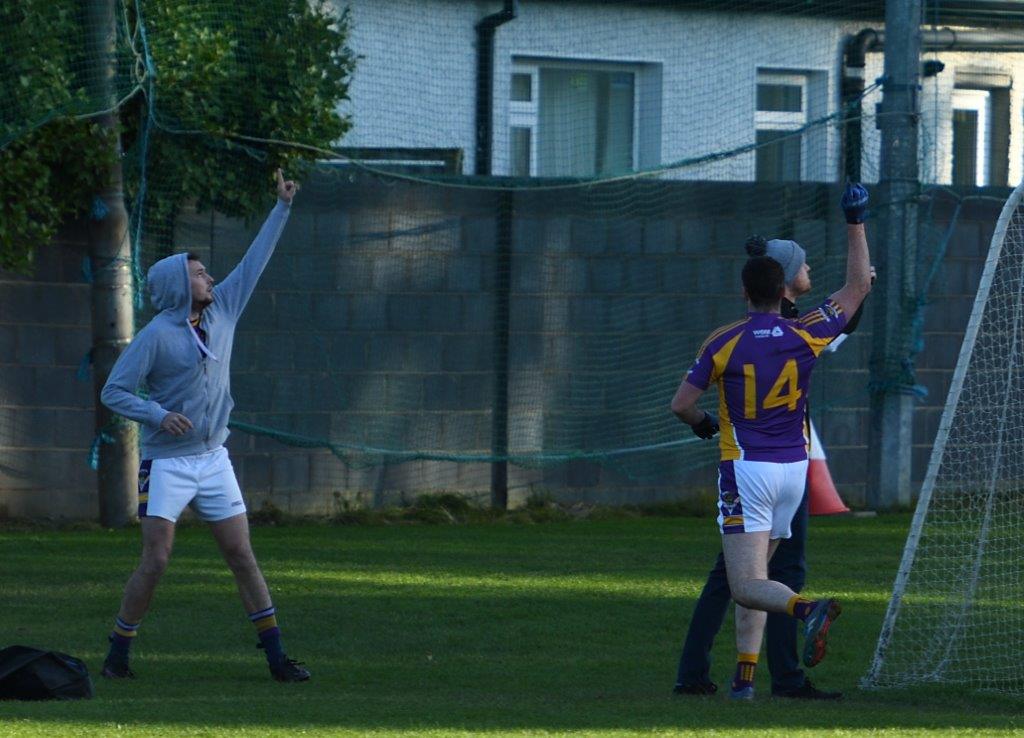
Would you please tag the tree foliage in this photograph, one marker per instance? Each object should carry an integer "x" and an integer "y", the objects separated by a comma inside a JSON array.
[
  {"x": 231, "y": 80},
  {"x": 49, "y": 161}
]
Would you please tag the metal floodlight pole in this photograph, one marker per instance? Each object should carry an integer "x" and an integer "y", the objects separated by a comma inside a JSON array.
[
  {"x": 110, "y": 253},
  {"x": 892, "y": 405}
]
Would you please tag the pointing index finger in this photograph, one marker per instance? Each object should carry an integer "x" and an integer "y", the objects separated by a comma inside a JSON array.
[{"x": 280, "y": 177}]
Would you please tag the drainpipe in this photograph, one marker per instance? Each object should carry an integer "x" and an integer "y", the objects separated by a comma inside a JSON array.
[
  {"x": 854, "y": 56},
  {"x": 948, "y": 39},
  {"x": 485, "y": 31}
]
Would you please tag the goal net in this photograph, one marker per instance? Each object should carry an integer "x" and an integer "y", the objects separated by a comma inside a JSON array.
[{"x": 956, "y": 605}]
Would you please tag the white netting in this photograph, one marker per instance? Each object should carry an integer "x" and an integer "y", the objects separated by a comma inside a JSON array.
[{"x": 956, "y": 613}]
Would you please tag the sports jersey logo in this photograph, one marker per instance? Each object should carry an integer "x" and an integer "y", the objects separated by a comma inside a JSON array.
[
  {"x": 829, "y": 310},
  {"x": 775, "y": 332}
]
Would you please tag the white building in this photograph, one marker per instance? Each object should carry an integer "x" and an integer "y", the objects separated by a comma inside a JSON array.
[{"x": 608, "y": 88}]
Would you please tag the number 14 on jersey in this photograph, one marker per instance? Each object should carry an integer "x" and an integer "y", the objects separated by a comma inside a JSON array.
[{"x": 784, "y": 391}]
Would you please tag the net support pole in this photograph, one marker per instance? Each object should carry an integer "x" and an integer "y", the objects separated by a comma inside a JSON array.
[
  {"x": 892, "y": 403},
  {"x": 110, "y": 253},
  {"x": 500, "y": 352}
]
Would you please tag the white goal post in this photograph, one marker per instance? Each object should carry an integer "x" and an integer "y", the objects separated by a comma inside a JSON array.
[{"x": 959, "y": 584}]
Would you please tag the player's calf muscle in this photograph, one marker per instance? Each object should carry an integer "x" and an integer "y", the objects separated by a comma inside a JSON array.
[
  {"x": 746, "y": 563},
  {"x": 762, "y": 594}
]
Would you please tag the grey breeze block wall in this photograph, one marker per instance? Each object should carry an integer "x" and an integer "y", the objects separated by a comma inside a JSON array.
[
  {"x": 46, "y": 412},
  {"x": 374, "y": 322}
]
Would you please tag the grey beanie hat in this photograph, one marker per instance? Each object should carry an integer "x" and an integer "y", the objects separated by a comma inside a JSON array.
[{"x": 789, "y": 254}]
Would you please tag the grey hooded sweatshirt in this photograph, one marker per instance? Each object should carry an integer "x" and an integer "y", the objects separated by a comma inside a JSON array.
[{"x": 181, "y": 373}]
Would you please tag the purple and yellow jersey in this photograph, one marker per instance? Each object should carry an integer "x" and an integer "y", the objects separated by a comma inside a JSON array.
[{"x": 762, "y": 366}]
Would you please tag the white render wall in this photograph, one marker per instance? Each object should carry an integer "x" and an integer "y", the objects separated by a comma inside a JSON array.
[
  {"x": 708, "y": 85},
  {"x": 416, "y": 83}
]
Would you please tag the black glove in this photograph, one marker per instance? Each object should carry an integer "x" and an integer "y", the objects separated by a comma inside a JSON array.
[
  {"x": 707, "y": 427},
  {"x": 854, "y": 203}
]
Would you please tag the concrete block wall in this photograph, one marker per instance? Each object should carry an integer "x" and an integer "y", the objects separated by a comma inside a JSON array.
[
  {"x": 606, "y": 310},
  {"x": 949, "y": 307},
  {"x": 46, "y": 411},
  {"x": 373, "y": 327}
]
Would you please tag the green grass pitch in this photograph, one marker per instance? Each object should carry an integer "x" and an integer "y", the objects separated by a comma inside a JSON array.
[{"x": 423, "y": 630}]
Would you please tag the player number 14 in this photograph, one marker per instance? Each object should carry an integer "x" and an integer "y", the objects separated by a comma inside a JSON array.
[{"x": 784, "y": 392}]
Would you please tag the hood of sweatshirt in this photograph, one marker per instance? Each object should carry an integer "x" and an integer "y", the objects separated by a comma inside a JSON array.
[{"x": 170, "y": 289}]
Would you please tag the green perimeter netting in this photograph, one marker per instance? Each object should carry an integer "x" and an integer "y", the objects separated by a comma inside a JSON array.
[{"x": 635, "y": 148}]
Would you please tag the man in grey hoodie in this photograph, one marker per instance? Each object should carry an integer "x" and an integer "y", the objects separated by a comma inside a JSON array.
[{"x": 183, "y": 358}]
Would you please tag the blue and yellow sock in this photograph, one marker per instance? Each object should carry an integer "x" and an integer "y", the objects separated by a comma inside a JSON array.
[
  {"x": 799, "y": 608},
  {"x": 121, "y": 640},
  {"x": 746, "y": 664},
  {"x": 269, "y": 634}
]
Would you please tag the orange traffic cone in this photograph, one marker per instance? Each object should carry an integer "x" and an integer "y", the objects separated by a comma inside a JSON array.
[{"x": 823, "y": 497}]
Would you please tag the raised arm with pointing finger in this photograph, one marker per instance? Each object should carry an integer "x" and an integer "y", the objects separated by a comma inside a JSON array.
[{"x": 234, "y": 291}]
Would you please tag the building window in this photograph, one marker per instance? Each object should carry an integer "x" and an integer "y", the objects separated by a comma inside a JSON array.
[
  {"x": 522, "y": 132},
  {"x": 778, "y": 156},
  {"x": 782, "y": 107},
  {"x": 570, "y": 119},
  {"x": 972, "y": 114},
  {"x": 522, "y": 87},
  {"x": 522, "y": 151}
]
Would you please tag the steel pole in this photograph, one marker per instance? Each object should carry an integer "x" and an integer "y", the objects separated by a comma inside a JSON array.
[{"x": 892, "y": 404}]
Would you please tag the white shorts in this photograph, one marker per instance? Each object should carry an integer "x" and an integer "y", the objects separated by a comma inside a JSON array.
[
  {"x": 756, "y": 496},
  {"x": 205, "y": 482}
]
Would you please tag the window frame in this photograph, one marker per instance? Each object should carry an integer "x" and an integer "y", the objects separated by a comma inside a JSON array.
[
  {"x": 780, "y": 119},
  {"x": 980, "y": 102},
  {"x": 523, "y": 114},
  {"x": 527, "y": 114},
  {"x": 776, "y": 120}
]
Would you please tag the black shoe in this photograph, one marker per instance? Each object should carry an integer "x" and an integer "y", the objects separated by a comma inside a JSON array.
[
  {"x": 289, "y": 670},
  {"x": 807, "y": 691},
  {"x": 116, "y": 670},
  {"x": 700, "y": 688}
]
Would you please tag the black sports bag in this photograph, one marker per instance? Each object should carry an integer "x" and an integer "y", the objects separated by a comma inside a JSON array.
[{"x": 31, "y": 674}]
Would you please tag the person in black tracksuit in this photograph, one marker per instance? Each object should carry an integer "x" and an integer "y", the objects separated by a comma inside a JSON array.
[{"x": 787, "y": 565}]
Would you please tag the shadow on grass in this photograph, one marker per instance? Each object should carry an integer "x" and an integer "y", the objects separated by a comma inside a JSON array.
[{"x": 449, "y": 628}]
